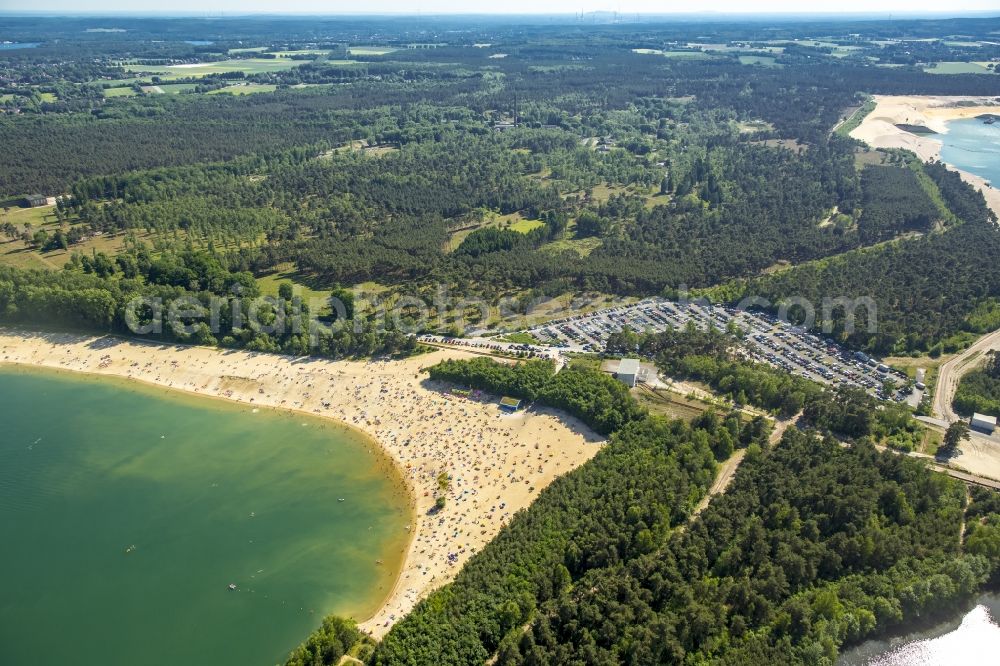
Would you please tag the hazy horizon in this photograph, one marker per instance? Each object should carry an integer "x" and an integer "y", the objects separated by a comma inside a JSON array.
[{"x": 646, "y": 8}]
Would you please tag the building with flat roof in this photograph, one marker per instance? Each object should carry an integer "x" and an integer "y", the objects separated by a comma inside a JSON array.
[
  {"x": 628, "y": 371},
  {"x": 510, "y": 404},
  {"x": 983, "y": 423},
  {"x": 35, "y": 200}
]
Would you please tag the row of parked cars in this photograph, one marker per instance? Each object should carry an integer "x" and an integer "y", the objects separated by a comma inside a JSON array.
[{"x": 775, "y": 341}]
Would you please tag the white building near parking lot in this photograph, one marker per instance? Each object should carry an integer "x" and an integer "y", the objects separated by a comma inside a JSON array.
[
  {"x": 628, "y": 371},
  {"x": 983, "y": 423}
]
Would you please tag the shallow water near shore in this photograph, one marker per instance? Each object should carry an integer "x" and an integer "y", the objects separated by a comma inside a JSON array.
[
  {"x": 973, "y": 146},
  {"x": 970, "y": 639},
  {"x": 127, "y": 511}
]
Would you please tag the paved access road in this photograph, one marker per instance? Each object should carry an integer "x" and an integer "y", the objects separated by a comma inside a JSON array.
[{"x": 950, "y": 373}]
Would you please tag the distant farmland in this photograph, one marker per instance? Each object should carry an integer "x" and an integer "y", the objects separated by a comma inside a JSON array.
[{"x": 248, "y": 66}]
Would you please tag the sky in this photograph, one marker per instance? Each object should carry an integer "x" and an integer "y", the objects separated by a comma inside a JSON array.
[{"x": 216, "y": 7}]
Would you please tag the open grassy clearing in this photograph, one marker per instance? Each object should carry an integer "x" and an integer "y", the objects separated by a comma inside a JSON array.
[
  {"x": 175, "y": 88},
  {"x": 524, "y": 226},
  {"x": 754, "y": 126},
  {"x": 730, "y": 48},
  {"x": 651, "y": 196},
  {"x": 958, "y": 68},
  {"x": 114, "y": 83},
  {"x": 269, "y": 282},
  {"x": 656, "y": 199},
  {"x": 513, "y": 221},
  {"x": 604, "y": 191},
  {"x": 931, "y": 441},
  {"x": 787, "y": 144},
  {"x": 582, "y": 246},
  {"x": 575, "y": 303},
  {"x": 864, "y": 157},
  {"x": 126, "y": 91},
  {"x": 362, "y": 146},
  {"x": 14, "y": 253},
  {"x": 853, "y": 117},
  {"x": 244, "y": 89},
  {"x": 695, "y": 55},
  {"x": 520, "y": 338},
  {"x": 497, "y": 322},
  {"x": 763, "y": 61},
  {"x": 36, "y": 217},
  {"x": 300, "y": 52},
  {"x": 689, "y": 55},
  {"x": 248, "y": 66},
  {"x": 844, "y": 51},
  {"x": 668, "y": 403},
  {"x": 48, "y": 97},
  {"x": 110, "y": 245},
  {"x": 370, "y": 50}
]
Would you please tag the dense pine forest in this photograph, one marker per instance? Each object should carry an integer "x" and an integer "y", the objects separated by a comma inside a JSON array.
[
  {"x": 316, "y": 171},
  {"x": 625, "y": 173},
  {"x": 979, "y": 390},
  {"x": 815, "y": 546}
]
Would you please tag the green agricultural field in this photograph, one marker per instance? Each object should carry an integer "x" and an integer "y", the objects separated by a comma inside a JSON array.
[
  {"x": 688, "y": 55},
  {"x": 763, "y": 61},
  {"x": 174, "y": 88},
  {"x": 289, "y": 54},
  {"x": 248, "y": 66},
  {"x": 115, "y": 83},
  {"x": 126, "y": 91},
  {"x": 958, "y": 68},
  {"x": 844, "y": 51},
  {"x": 48, "y": 97},
  {"x": 370, "y": 50},
  {"x": 245, "y": 89}
]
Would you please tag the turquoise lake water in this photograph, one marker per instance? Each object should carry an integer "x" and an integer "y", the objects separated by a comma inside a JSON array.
[
  {"x": 127, "y": 511},
  {"x": 971, "y": 639},
  {"x": 973, "y": 146}
]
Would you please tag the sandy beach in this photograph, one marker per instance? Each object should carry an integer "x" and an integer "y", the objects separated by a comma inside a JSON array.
[
  {"x": 879, "y": 128},
  {"x": 498, "y": 462}
]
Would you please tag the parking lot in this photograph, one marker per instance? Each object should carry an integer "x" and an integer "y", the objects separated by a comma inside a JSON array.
[{"x": 771, "y": 340}]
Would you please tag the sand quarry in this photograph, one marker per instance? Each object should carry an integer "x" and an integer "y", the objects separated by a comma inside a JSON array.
[
  {"x": 498, "y": 462},
  {"x": 879, "y": 129}
]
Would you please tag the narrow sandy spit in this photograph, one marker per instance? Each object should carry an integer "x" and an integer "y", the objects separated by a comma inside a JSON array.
[
  {"x": 879, "y": 129},
  {"x": 499, "y": 463}
]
